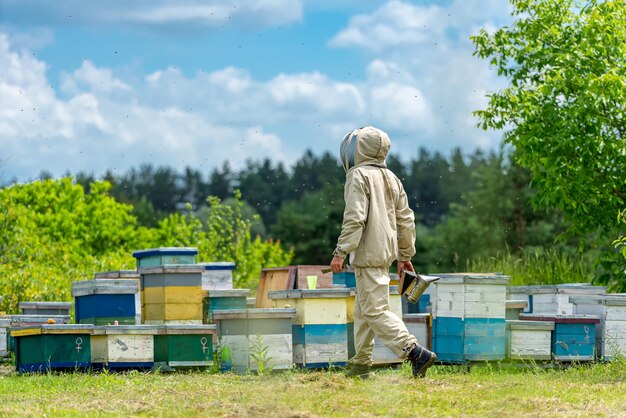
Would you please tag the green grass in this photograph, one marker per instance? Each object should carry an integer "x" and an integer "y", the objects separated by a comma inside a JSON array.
[
  {"x": 598, "y": 390},
  {"x": 536, "y": 267}
]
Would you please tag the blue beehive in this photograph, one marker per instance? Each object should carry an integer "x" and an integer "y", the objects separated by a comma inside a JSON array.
[
  {"x": 469, "y": 317},
  {"x": 104, "y": 301}
]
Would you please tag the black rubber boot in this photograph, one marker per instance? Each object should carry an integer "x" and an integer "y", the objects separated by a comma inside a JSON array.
[
  {"x": 358, "y": 370},
  {"x": 421, "y": 359}
]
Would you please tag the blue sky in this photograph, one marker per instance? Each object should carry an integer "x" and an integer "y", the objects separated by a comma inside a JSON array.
[{"x": 91, "y": 86}]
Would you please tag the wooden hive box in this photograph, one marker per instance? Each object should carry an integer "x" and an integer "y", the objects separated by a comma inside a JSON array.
[
  {"x": 592, "y": 305},
  {"x": 255, "y": 338},
  {"x": 529, "y": 340},
  {"x": 185, "y": 346},
  {"x": 123, "y": 346},
  {"x": 319, "y": 327},
  {"x": 172, "y": 294},
  {"x": 33, "y": 320},
  {"x": 223, "y": 300},
  {"x": 45, "y": 308},
  {"x": 553, "y": 299},
  {"x": 381, "y": 355},
  {"x": 5, "y": 325},
  {"x": 104, "y": 301},
  {"x": 324, "y": 280},
  {"x": 514, "y": 308},
  {"x": 52, "y": 347},
  {"x": 521, "y": 293},
  {"x": 420, "y": 325},
  {"x": 469, "y": 317},
  {"x": 573, "y": 338},
  {"x": 278, "y": 278},
  {"x": 165, "y": 255},
  {"x": 217, "y": 276}
]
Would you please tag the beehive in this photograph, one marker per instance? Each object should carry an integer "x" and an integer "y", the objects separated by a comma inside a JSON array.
[
  {"x": 52, "y": 347},
  {"x": 553, "y": 299},
  {"x": 345, "y": 278},
  {"x": 154, "y": 257},
  {"x": 420, "y": 325},
  {"x": 45, "y": 308},
  {"x": 104, "y": 301},
  {"x": 573, "y": 338},
  {"x": 217, "y": 276},
  {"x": 185, "y": 346},
  {"x": 469, "y": 317},
  {"x": 172, "y": 294},
  {"x": 319, "y": 327},
  {"x": 529, "y": 340},
  {"x": 611, "y": 309},
  {"x": 123, "y": 346},
  {"x": 251, "y": 339},
  {"x": 223, "y": 300}
]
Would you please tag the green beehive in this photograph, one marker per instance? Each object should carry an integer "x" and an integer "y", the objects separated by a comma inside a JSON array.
[
  {"x": 52, "y": 347},
  {"x": 184, "y": 345},
  {"x": 223, "y": 300}
]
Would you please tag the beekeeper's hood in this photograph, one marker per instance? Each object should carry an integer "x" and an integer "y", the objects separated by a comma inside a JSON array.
[{"x": 364, "y": 146}]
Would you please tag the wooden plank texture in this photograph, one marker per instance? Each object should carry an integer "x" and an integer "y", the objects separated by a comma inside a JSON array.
[{"x": 281, "y": 278}]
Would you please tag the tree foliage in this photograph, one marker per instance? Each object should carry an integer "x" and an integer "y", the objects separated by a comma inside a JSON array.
[
  {"x": 564, "y": 108},
  {"x": 52, "y": 233}
]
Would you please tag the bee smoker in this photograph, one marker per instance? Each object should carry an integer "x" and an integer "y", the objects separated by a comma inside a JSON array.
[{"x": 412, "y": 285}]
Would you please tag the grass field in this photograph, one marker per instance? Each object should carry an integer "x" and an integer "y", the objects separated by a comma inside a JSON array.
[{"x": 598, "y": 390}]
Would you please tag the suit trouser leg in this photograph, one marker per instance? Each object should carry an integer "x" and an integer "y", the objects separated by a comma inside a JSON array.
[{"x": 372, "y": 317}]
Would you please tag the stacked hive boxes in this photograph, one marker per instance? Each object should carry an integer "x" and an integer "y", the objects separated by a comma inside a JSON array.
[
  {"x": 469, "y": 317},
  {"x": 611, "y": 311},
  {"x": 112, "y": 296},
  {"x": 552, "y": 299},
  {"x": 255, "y": 339},
  {"x": 319, "y": 327}
]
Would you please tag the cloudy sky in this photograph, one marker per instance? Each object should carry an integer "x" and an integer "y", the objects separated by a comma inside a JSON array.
[{"x": 111, "y": 84}]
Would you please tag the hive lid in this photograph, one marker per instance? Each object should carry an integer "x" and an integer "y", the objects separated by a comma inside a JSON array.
[
  {"x": 117, "y": 274},
  {"x": 416, "y": 317},
  {"x": 38, "y": 319},
  {"x": 105, "y": 286},
  {"x": 187, "y": 329},
  {"x": 218, "y": 265},
  {"x": 132, "y": 329},
  {"x": 472, "y": 278},
  {"x": 172, "y": 268},
  {"x": 256, "y": 313},
  {"x": 165, "y": 251},
  {"x": 562, "y": 319},
  {"x": 45, "y": 305},
  {"x": 308, "y": 293},
  {"x": 52, "y": 329}
]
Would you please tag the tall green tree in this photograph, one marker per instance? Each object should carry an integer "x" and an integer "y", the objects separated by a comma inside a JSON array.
[{"x": 564, "y": 109}]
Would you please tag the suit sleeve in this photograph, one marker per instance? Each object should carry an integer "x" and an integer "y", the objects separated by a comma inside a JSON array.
[
  {"x": 405, "y": 221},
  {"x": 356, "y": 196}
]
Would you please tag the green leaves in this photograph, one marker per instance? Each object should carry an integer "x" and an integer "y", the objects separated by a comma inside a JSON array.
[{"x": 563, "y": 110}]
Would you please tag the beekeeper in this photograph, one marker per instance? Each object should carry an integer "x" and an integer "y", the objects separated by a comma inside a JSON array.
[{"x": 378, "y": 228}]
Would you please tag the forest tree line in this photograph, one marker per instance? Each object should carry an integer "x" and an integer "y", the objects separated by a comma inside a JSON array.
[{"x": 467, "y": 206}]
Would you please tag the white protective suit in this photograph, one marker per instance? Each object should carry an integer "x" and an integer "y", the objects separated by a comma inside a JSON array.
[{"x": 378, "y": 228}]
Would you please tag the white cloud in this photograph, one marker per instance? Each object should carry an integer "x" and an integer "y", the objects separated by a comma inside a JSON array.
[
  {"x": 94, "y": 79},
  {"x": 186, "y": 15}
]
